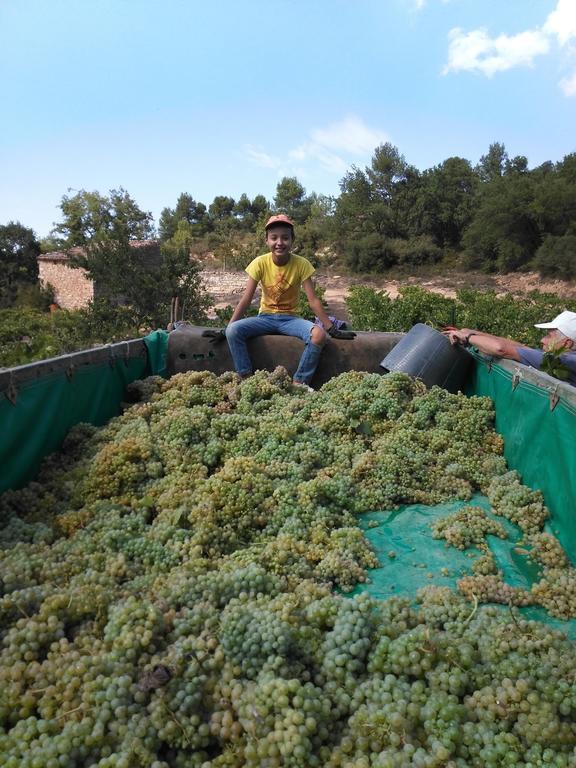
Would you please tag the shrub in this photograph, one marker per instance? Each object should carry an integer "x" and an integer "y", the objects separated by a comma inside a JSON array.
[
  {"x": 416, "y": 251},
  {"x": 371, "y": 253},
  {"x": 556, "y": 257},
  {"x": 509, "y": 315}
]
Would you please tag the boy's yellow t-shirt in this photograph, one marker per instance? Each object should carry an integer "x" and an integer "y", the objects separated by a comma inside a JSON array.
[{"x": 280, "y": 285}]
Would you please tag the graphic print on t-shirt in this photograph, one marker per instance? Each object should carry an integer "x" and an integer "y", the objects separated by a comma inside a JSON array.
[
  {"x": 282, "y": 295},
  {"x": 275, "y": 291}
]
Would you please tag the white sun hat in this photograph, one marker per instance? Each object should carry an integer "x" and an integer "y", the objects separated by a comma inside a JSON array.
[{"x": 565, "y": 322}]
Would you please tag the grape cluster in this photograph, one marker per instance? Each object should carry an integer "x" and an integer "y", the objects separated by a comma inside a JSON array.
[
  {"x": 490, "y": 588},
  {"x": 510, "y": 499},
  {"x": 167, "y": 589},
  {"x": 485, "y": 565},
  {"x": 467, "y": 527},
  {"x": 556, "y": 592},
  {"x": 547, "y": 550}
]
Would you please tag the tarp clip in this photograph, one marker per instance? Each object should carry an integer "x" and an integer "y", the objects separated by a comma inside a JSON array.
[
  {"x": 70, "y": 370},
  {"x": 516, "y": 378},
  {"x": 111, "y": 357},
  {"x": 554, "y": 398}
]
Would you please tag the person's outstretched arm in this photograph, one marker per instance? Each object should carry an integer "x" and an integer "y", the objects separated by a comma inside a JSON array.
[
  {"x": 245, "y": 300},
  {"x": 486, "y": 343}
]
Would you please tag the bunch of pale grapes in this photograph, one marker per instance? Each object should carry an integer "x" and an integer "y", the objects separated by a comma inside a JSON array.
[
  {"x": 490, "y": 588},
  {"x": 556, "y": 592},
  {"x": 510, "y": 499},
  {"x": 547, "y": 550},
  {"x": 485, "y": 565},
  {"x": 467, "y": 527}
]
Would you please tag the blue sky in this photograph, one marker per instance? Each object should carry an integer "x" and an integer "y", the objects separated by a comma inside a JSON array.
[{"x": 220, "y": 97}]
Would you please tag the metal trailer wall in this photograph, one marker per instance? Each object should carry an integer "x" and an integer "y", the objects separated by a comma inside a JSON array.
[{"x": 40, "y": 402}]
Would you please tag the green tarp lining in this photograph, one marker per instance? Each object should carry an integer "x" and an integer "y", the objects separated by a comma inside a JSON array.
[
  {"x": 157, "y": 348},
  {"x": 46, "y": 408},
  {"x": 411, "y": 558},
  {"x": 538, "y": 442}
]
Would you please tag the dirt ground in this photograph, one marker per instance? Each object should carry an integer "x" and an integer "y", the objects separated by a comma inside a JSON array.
[{"x": 336, "y": 287}]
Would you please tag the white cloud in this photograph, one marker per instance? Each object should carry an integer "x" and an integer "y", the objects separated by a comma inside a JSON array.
[
  {"x": 262, "y": 158},
  {"x": 568, "y": 85},
  {"x": 332, "y": 148},
  {"x": 314, "y": 152},
  {"x": 350, "y": 135},
  {"x": 476, "y": 51},
  {"x": 415, "y": 5},
  {"x": 562, "y": 21}
]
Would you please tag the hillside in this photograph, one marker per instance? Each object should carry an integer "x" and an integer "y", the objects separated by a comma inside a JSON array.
[{"x": 226, "y": 286}]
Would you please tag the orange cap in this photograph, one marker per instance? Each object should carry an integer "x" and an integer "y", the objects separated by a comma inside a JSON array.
[{"x": 279, "y": 218}]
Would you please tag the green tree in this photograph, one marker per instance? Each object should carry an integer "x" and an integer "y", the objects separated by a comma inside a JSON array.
[
  {"x": 556, "y": 257},
  {"x": 373, "y": 201},
  {"x": 247, "y": 212},
  {"x": 555, "y": 198},
  {"x": 19, "y": 252},
  {"x": 187, "y": 210},
  {"x": 504, "y": 233},
  {"x": 567, "y": 167},
  {"x": 291, "y": 199},
  {"x": 493, "y": 164},
  {"x": 318, "y": 230},
  {"x": 353, "y": 204},
  {"x": 167, "y": 224},
  {"x": 243, "y": 211},
  {"x": 445, "y": 202},
  {"x": 221, "y": 208},
  {"x": 518, "y": 164},
  {"x": 387, "y": 174},
  {"x": 371, "y": 253},
  {"x": 260, "y": 206},
  {"x": 144, "y": 280},
  {"x": 178, "y": 275},
  {"x": 387, "y": 169},
  {"x": 89, "y": 214}
]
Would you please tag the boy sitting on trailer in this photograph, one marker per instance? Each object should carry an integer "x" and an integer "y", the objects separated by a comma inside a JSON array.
[{"x": 281, "y": 274}]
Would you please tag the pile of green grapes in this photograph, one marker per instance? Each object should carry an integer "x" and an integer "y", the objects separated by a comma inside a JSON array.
[{"x": 167, "y": 589}]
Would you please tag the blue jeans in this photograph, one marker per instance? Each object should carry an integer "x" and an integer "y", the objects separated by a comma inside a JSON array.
[{"x": 238, "y": 332}]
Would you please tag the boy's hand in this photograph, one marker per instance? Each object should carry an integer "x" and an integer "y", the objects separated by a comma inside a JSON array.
[
  {"x": 335, "y": 333},
  {"x": 216, "y": 335}
]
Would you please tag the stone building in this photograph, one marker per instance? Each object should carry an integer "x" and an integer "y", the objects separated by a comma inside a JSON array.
[{"x": 73, "y": 289}]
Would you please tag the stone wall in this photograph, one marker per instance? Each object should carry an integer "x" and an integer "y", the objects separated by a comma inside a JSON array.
[
  {"x": 72, "y": 289},
  {"x": 219, "y": 282}
]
